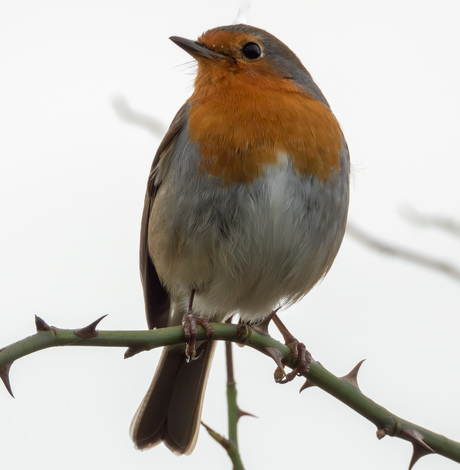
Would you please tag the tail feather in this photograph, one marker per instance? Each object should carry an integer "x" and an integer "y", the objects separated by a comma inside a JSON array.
[{"x": 171, "y": 410}]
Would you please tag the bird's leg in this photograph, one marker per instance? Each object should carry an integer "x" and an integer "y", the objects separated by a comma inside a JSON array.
[
  {"x": 190, "y": 323},
  {"x": 300, "y": 356}
]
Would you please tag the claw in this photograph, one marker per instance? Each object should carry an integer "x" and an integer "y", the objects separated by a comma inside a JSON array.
[
  {"x": 279, "y": 374},
  {"x": 299, "y": 354},
  {"x": 303, "y": 360},
  {"x": 190, "y": 324}
]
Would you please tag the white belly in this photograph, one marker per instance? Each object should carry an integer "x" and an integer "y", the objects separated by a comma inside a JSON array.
[{"x": 246, "y": 249}]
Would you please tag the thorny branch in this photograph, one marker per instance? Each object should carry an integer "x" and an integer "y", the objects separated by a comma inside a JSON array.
[{"x": 344, "y": 388}]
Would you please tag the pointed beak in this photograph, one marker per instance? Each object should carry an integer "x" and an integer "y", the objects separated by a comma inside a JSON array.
[{"x": 196, "y": 49}]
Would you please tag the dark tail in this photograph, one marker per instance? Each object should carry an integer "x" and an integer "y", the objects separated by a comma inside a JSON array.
[{"x": 171, "y": 410}]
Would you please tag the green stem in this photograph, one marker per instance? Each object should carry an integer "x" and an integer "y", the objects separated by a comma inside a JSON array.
[
  {"x": 233, "y": 411},
  {"x": 233, "y": 416},
  {"x": 387, "y": 422}
]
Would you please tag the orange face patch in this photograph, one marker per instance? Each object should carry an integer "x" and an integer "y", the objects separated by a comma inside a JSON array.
[{"x": 244, "y": 115}]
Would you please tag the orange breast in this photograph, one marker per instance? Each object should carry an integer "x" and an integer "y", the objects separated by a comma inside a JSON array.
[{"x": 244, "y": 123}]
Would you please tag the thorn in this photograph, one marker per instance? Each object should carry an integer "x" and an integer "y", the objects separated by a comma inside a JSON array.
[
  {"x": 352, "y": 376},
  {"x": 41, "y": 324},
  {"x": 421, "y": 448},
  {"x": 208, "y": 428},
  {"x": 242, "y": 413},
  {"x": 4, "y": 375},
  {"x": 416, "y": 438},
  {"x": 90, "y": 330},
  {"x": 417, "y": 454},
  {"x": 223, "y": 441},
  {"x": 275, "y": 354},
  {"x": 307, "y": 384},
  {"x": 381, "y": 433},
  {"x": 262, "y": 327},
  {"x": 130, "y": 352}
]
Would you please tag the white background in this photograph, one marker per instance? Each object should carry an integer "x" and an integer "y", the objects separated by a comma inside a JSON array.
[{"x": 72, "y": 182}]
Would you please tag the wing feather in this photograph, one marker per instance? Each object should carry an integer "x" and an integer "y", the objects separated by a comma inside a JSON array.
[{"x": 157, "y": 301}]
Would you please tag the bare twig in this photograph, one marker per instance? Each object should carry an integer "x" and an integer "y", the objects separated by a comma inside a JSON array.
[
  {"x": 403, "y": 253},
  {"x": 445, "y": 224},
  {"x": 128, "y": 114}
]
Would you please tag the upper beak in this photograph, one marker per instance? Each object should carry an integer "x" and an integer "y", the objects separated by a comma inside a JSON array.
[{"x": 196, "y": 49}]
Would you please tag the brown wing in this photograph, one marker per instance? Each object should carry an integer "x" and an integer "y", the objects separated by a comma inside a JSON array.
[{"x": 157, "y": 302}]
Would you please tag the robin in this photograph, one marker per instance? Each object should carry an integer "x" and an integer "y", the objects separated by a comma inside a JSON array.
[{"x": 245, "y": 211}]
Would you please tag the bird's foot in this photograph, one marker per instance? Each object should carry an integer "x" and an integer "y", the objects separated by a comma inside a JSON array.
[
  {"x": 190, "y": 323},
  {"x": 299, "y": 354},
  {"x": 302, "y": 359}
]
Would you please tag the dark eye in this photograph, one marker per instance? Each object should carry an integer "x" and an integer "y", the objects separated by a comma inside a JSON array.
[{"x": 251, "y": 50}]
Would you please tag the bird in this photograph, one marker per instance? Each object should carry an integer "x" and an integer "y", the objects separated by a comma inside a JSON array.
[{"x": 245, "y": 210}]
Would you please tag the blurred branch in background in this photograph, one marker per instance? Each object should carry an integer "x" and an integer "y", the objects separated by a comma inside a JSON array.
[
  {"x": 124, "y": 111},
  {"x": 403, "y": 253},
  {"x": 445, "y": 224},
  {"x": 243, "y": 12}
]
